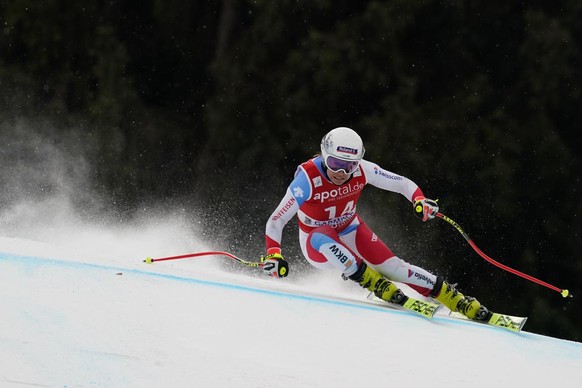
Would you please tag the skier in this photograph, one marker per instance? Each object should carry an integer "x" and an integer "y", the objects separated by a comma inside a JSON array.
[{"x": 323, "y": 195}]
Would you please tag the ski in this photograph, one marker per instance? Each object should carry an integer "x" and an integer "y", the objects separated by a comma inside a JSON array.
[
  {"x": 504, "y": 321},
  {"x": 420, "y": 307},
  {"x": 428, "y": 310},
  {"x": 508, "y": 322},
  {"x": 417, "y": 306}
]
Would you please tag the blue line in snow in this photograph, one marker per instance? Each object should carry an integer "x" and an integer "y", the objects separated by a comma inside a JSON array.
[
  {"x": 79, "y": 265},
  {"x": 289, "y": 295}
]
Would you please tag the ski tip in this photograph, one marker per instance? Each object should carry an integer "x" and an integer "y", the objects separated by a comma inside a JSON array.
[{"x": 148, "y": 260}]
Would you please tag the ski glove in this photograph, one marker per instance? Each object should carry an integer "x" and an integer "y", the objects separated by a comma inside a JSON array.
[
  {"x": 425, "y": 209},
  {"x": 275, "y": 265}
]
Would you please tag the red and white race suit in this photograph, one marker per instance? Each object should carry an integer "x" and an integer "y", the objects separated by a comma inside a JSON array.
[{"x": 331, "y": 233}]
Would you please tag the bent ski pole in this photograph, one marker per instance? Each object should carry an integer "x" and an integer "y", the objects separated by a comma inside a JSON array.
[
  {"x": 564, "y": 292},
  {"x": 151, "y": 260}
]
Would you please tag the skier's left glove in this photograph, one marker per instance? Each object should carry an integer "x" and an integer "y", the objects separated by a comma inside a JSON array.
[
  {"x": 275, "y": 265},
  {"x": 424, "y": 208}
]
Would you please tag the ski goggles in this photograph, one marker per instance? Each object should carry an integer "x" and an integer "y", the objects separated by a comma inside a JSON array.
[{"x": 337, "y": 165}]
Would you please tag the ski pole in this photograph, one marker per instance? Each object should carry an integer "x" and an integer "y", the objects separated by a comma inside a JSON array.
[
  {"x": 565, "y": 293},
  {"x": 151, "y": 260}
]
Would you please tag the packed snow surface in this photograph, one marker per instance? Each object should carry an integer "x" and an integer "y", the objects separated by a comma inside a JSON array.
[{"x": 79, "y": 317}]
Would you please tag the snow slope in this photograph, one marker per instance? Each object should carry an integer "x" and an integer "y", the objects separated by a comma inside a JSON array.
[{"x": 71, "y": 318}]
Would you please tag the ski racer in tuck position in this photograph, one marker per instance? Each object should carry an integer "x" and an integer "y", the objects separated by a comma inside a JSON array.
[{"x": 323, "y": 195}]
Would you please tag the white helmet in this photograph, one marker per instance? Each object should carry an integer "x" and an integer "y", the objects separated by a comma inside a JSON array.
[{"x": 342, "y": 145}]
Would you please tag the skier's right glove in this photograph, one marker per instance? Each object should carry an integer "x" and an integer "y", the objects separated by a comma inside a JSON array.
[{"x": 275, "y": 265}]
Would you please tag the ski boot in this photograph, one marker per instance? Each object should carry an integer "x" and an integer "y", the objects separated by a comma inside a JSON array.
[
  {"x": 381, "y": 287},
  {"x": 447, "y": 295}
]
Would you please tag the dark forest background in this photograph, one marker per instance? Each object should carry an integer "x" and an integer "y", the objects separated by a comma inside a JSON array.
[{"x": 210, "y": 106}]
